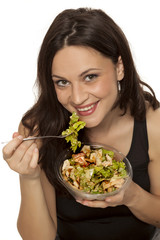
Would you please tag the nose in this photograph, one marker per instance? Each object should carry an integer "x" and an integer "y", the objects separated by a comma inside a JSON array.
[{"x": 79, "y": 94}]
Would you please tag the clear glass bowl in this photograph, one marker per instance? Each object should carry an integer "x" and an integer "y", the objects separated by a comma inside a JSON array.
[{"x": 80, "y": 194}]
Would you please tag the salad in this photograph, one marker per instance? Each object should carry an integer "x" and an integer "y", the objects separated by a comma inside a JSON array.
[
  {"x": 74, "y": 127},
  {"x": 94, "y": 170}
]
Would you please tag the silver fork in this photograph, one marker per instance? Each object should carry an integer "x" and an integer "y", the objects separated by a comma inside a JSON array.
[{"x": 40, "y": 137}]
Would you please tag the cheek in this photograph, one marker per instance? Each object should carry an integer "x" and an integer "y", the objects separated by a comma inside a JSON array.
[
  {"x": 61, "y": 96},
  {"x": 105, "y": 88}
]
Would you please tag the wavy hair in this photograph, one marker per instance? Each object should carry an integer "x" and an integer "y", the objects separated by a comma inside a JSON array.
[{"x": 81, "y": 27}]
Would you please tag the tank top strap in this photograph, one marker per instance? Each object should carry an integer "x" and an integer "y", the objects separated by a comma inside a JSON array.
[{"x": 138, "y": 152}]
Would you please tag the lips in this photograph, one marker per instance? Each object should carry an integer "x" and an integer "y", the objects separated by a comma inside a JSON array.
[{"x": 87, "y": 110}]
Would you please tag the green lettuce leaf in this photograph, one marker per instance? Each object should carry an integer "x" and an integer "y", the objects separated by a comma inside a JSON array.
[{"x": 74, "y": 127}]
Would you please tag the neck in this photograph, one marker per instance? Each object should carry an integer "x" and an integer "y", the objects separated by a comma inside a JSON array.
[{"x": 111, "y": 125}]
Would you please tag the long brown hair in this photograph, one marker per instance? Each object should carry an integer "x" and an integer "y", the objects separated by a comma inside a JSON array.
[{"x": 81, "y": 27}]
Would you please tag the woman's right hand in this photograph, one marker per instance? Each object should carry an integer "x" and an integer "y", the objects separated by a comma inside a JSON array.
[{"x": 22, "y": 157}]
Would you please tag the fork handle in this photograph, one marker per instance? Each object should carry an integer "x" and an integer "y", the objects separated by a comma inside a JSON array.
[
  {"x": 40, "y": 137},
  {"x": 33, "y": 138}
]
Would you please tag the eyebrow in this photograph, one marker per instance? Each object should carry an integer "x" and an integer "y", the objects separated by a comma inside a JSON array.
[
  {"x": 82, "y": 74},
  {"x": 90, "y": 69}
]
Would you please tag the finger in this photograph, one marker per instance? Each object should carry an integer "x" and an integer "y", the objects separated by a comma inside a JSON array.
[
  {"x": 115, "y": 199},
  {"x": 20, "y": 164},
  {"x": 23, "y": 152},
  {"x": 35, "y": 157},
  {"x": 94, "y": 204},
  {"x": 15, "y": 134},
  {"x": 9, "y": 149},
  {"x": 26, "y": 158}
]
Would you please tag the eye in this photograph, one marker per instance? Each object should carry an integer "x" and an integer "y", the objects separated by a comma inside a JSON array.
[
  {"x": 62, "y": 83},
  {"x": 90, "y": 77}
]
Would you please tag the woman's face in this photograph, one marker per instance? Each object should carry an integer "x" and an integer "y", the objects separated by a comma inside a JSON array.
[{"x": 86, "y": 82}]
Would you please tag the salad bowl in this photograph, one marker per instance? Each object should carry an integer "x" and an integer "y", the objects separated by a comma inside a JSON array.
[{"x": 95, "y": 172}]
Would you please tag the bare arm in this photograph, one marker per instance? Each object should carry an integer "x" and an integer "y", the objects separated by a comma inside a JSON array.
[
  {"x": 144, "y": 205},
  {"x": 36, "y": 220}
]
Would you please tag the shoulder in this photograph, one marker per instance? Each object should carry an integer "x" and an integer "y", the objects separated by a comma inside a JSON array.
[
  {"x": 153, "y": 128},
  {"x": 153, "y": 116},
  {"x": 153, "y": 121}
]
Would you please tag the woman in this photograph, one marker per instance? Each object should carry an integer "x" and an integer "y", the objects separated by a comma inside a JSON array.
[{"x": 85, "y": 65}]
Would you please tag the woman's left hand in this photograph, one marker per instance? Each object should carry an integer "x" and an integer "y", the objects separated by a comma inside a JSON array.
[{"x": 120, "y": 198}]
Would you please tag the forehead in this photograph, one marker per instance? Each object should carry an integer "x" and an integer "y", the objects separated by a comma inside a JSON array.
[{"x": 77, "y": 58}]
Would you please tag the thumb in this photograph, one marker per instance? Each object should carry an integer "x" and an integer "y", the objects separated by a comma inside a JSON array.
[{"x": 15, "y": 134}]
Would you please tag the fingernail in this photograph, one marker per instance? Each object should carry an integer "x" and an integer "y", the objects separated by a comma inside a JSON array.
[
  {"x": 20, "y": 137},
  {"x": 15, "y": 134},
  {"x": 108, "y": 200},
  {"x": 36, "y": 150},
  {"x": 85, "y": 203}
]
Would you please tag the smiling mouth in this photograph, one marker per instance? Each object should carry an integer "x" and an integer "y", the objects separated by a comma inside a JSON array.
[{"x": 85, "y": 109}]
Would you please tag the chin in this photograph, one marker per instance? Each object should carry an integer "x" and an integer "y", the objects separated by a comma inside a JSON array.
[{"x": 92, "y": 124}]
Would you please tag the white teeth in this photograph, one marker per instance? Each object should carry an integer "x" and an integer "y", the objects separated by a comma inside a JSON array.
[{"x": 86, "y": 108}]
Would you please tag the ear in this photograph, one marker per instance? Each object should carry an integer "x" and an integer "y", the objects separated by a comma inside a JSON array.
[{"x": 120, "y": 69}]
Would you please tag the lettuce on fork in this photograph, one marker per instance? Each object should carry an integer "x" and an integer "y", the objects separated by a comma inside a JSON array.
[{"x": 74, "y": 127}]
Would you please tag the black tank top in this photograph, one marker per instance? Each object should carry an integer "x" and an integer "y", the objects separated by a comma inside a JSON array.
[{"x": 78, "y": 222}]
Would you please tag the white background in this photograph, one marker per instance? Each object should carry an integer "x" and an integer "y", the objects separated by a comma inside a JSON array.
[{"x": 23, "y": 25}]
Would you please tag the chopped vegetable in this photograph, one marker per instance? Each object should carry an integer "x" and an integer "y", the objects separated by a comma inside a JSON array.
[
  {"x": 74, "y": 127},
  {"x": 94, "y": 171}
]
